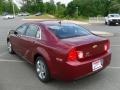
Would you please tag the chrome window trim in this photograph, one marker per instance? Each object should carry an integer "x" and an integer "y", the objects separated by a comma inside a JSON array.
[{"x": 39, "y": 32}]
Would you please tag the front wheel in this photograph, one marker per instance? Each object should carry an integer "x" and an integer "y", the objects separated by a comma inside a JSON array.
[
  {"x": 42, "y": 70},
  {"x": 105, "y": 23},
  {"x": 10, "y": 47},
  {"x": 109, "y": 23}
]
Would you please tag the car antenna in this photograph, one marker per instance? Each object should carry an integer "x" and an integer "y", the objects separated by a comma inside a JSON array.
[{"x": 60, "y": 22}]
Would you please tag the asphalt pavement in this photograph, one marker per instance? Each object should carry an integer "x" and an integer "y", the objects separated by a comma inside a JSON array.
[{"x": 17, "y": 74}]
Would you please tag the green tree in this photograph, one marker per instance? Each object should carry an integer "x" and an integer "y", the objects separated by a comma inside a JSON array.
[
  {"x": 93, "y": 7},
  {"x": 115, "y": 6},
  {"x": 75, "y": 8},
  {"x": 50, "y": 8},
  {"x": 1, "y": 6},
  {"x": 71, "y": 9},
  {"x": 60, "y": 10},
  {"x": 40, "y": 7}
]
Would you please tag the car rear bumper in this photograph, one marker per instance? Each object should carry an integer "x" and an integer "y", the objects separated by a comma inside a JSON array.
[{"x": 77, "y": 70}]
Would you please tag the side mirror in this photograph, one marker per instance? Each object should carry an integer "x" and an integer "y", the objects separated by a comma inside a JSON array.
[
  {"x": 11, "y": 31},
  {"x": 16, "y": 33}
]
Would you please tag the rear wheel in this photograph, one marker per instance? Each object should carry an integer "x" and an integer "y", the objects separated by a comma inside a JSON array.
[
  {"x": 9, "y": 45},
  {"x": 42, "y": 70},
  {"x": 109, "y": 23}
]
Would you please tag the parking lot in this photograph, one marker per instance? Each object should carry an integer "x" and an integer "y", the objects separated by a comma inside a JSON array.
[{"x": 17, "y": 74}]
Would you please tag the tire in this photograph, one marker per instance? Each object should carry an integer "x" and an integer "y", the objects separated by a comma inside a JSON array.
[
  {"x": 42, "y": 70},
  {"x": 109, "y": 23},
  {"x": 9, "y": 45},
  {"x": 105, "y": 23}
]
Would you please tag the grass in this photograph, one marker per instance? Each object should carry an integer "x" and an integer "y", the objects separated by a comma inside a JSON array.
[
  {"x": 45, "y": 16},
  {"x": 80, "y": 18}
]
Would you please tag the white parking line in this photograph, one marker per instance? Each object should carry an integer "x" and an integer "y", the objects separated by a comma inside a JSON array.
[
  {"x": 2, "y": 54},
  {"x": 17, "y": 61},
  {"x": 111, "y": 67},
  {"x": 115, "y": 45}
]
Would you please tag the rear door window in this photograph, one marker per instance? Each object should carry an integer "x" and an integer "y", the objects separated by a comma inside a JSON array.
[{"x": 32, "y": 30}]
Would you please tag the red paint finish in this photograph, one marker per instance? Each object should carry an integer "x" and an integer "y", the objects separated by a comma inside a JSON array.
[{"x": 67, "y": 59}]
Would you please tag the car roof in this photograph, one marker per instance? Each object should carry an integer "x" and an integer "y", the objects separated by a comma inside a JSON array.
[
  {"x": 51, "y": 22},
  {"x": 54, "y": 22}
]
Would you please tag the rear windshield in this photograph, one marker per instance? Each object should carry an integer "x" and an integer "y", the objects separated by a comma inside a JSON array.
[{"x": 68, "y": 31}]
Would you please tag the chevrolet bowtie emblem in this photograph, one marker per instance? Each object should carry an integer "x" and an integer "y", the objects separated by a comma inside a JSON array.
[{"x": 94, "y": 46}]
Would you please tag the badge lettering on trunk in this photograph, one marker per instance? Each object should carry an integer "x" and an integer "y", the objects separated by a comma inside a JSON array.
[
  {"x": 94, "y": 46},
  {"x": 87, "y": 54}
]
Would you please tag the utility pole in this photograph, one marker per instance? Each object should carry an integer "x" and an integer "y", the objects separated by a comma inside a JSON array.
[
  {"x": 13, "y": 9},
  {"x": 52, "y": 1},
  {"x": 77, "y": 11},
  {"x": 109, "y": 1}
]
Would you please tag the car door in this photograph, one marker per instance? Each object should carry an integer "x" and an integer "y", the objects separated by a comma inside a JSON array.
[
  {"x": 16, "y": 39},
  {"x": 29, "y": 41}
]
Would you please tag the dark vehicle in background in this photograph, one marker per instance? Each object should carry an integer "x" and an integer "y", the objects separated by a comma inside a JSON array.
[
  {"x": 60, "y": 50},
  {"x": 38, "y": 14},
  {"x": 5, "y": 13}
]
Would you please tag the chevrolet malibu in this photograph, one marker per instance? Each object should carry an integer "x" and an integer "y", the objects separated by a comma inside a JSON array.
[{"x": 60, "y": 50}]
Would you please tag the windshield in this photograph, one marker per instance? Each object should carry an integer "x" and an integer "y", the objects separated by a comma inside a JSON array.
[
  {"x": 68, "y": 31},
  {"x": 115, "y": 15}
]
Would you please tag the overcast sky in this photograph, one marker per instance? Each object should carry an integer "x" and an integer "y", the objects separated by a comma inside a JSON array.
[{"x": 62, "y": 1}]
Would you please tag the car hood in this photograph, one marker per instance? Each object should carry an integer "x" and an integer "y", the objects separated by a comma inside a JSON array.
[{"x": 114, "y": 18}]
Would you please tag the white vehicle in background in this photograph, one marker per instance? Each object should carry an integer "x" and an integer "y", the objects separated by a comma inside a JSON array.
[
  {"x": 23, "y": 14},
  {"x": 20, "y": 14},
  {"x": 26, "y": 14},
  {"x": 112, "y": 19},
  {"x": 8, "y": 17}
]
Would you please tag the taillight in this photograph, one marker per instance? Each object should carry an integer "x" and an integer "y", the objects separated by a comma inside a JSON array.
[
  {"x": 72, "y": 55},
  {"x": 75, "y": 55},
  {"x": 80, "y": 54},
  {"x": 107, "y": 46}
]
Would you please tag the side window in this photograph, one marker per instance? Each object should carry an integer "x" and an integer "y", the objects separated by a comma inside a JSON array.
[
  {"x": 21, "y": 30},
  {"x": 32, "y": 31}
]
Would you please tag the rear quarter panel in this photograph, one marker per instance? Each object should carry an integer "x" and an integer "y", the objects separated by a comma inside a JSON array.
[{"x": 50, "y": 48}]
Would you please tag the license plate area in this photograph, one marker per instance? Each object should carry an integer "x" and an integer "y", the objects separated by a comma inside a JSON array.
[{"x": 96, "y": 65}]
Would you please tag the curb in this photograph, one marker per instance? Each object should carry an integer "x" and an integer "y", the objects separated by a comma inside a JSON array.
[
  {"x": 37, "y": 19},
  {"x": 101, "y": 33},
  {"x": 76, "y": 22}
]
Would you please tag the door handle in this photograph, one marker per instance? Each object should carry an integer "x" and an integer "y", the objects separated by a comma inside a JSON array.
[{"x": 34, "y": 42}]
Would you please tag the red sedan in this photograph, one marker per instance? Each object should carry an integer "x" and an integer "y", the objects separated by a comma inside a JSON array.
[{"x": 60, "y": 50}]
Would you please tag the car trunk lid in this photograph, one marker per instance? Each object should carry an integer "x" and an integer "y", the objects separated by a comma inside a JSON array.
[{"x": 91, "y": 46}]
